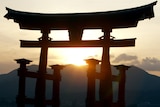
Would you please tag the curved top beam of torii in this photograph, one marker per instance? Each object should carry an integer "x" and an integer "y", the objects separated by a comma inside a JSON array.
[{"x": 95, "y": 20}]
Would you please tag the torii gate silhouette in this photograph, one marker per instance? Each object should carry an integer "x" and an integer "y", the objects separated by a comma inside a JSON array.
[{"x": 75, "y": 23}]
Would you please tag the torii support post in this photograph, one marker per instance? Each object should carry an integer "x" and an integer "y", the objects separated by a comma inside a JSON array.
[
  {"x": 56, "y": 84},
  {"x": 91, "y": 74},
  {"x": 41, "y": 82},
  {"x": 122, "y": 80},
  {"x": 22, "y": 81},
  {"x": 105, "y": 90}
]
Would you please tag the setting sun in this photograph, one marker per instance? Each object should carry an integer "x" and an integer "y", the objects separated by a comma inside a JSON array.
[
  {"x": 77, "y": 56},
  {"x": 77, "y": 61}
]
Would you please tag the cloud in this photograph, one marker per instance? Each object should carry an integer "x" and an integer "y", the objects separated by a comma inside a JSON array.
[
  {"x": 125, "y": 58},
  {"x": 150, "y": 64}
]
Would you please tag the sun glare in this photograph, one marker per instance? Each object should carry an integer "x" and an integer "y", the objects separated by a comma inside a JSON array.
[
  {"x": 77, "y": 56},
  {"x": 77, "y": 62}
]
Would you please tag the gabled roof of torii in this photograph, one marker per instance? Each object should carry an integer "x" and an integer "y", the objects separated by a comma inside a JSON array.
[{"x": 95, "y": 20}]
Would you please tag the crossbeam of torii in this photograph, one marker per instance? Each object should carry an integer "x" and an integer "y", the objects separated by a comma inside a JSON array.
[{"x": 75, "y": 23}]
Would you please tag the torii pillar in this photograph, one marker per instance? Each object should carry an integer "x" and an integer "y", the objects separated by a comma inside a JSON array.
[
  {"x": 56, "y": 84},
  {"x": 122, "y": 80},
  {"x": 22, "y": 81},
  {"x": 91, "y": 74},
  {"x": 105, "y": 90},
  {"x": 41, "y": 81}
]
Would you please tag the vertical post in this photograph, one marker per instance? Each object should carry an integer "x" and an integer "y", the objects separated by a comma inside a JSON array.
[
  {"x": 122, "y": 79},
  {"x": 22, "y": 81},
  {"x": 105, "y": 91},
  {"x": 75, "y": 33},
  {"x": 91, "y": 72},
  {"x": 56, "y": 85},
  {"x": 41, "y": 83}
]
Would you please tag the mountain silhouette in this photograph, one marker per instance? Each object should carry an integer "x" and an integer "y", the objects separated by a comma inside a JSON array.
[{"x": 141, "y": 87}]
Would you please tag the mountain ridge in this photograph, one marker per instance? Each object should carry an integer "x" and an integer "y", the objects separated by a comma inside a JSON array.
[{"x": 140, "y": 86}]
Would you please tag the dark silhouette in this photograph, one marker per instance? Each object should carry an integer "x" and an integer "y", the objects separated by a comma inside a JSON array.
[
  {"x": 22, "y": 99},
  {"x": 56, "y": 85},
  {"x": 75, "y": 23},
  {"x": 122, "y": 80},
  {"x": 22, "y": 81},
  {"x": 41, "y": 84},
  {"x": 91, "y": 74}
]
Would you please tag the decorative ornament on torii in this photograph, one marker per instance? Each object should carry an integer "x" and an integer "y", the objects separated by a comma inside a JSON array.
[{"x": 75, "y": 23}]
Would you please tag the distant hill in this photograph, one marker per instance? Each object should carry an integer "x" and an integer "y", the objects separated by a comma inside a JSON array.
[{"x": 141, "y": 87}]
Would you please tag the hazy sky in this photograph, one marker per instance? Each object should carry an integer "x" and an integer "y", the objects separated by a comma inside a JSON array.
[{"x": 146, "y": 53}]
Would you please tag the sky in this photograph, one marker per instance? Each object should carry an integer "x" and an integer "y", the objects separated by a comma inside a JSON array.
[{"x": 145, "y": 54}]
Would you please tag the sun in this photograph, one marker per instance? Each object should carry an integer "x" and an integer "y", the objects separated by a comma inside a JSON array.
[
  {"x": 77, "y": 56},
  {"x": 77, "y": 62}
]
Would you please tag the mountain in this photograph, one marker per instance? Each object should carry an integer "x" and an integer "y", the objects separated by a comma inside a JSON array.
[{"x": 141, "y": 87}]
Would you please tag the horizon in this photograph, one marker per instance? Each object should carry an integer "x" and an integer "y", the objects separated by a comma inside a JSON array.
[{"x": 155, "y": 73}]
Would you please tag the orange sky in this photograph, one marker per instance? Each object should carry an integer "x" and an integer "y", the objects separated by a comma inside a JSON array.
[{"x": 147, "y": 33}]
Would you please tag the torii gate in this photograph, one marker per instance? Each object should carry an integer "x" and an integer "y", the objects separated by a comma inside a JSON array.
[{"x": 75, "y": 23}]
